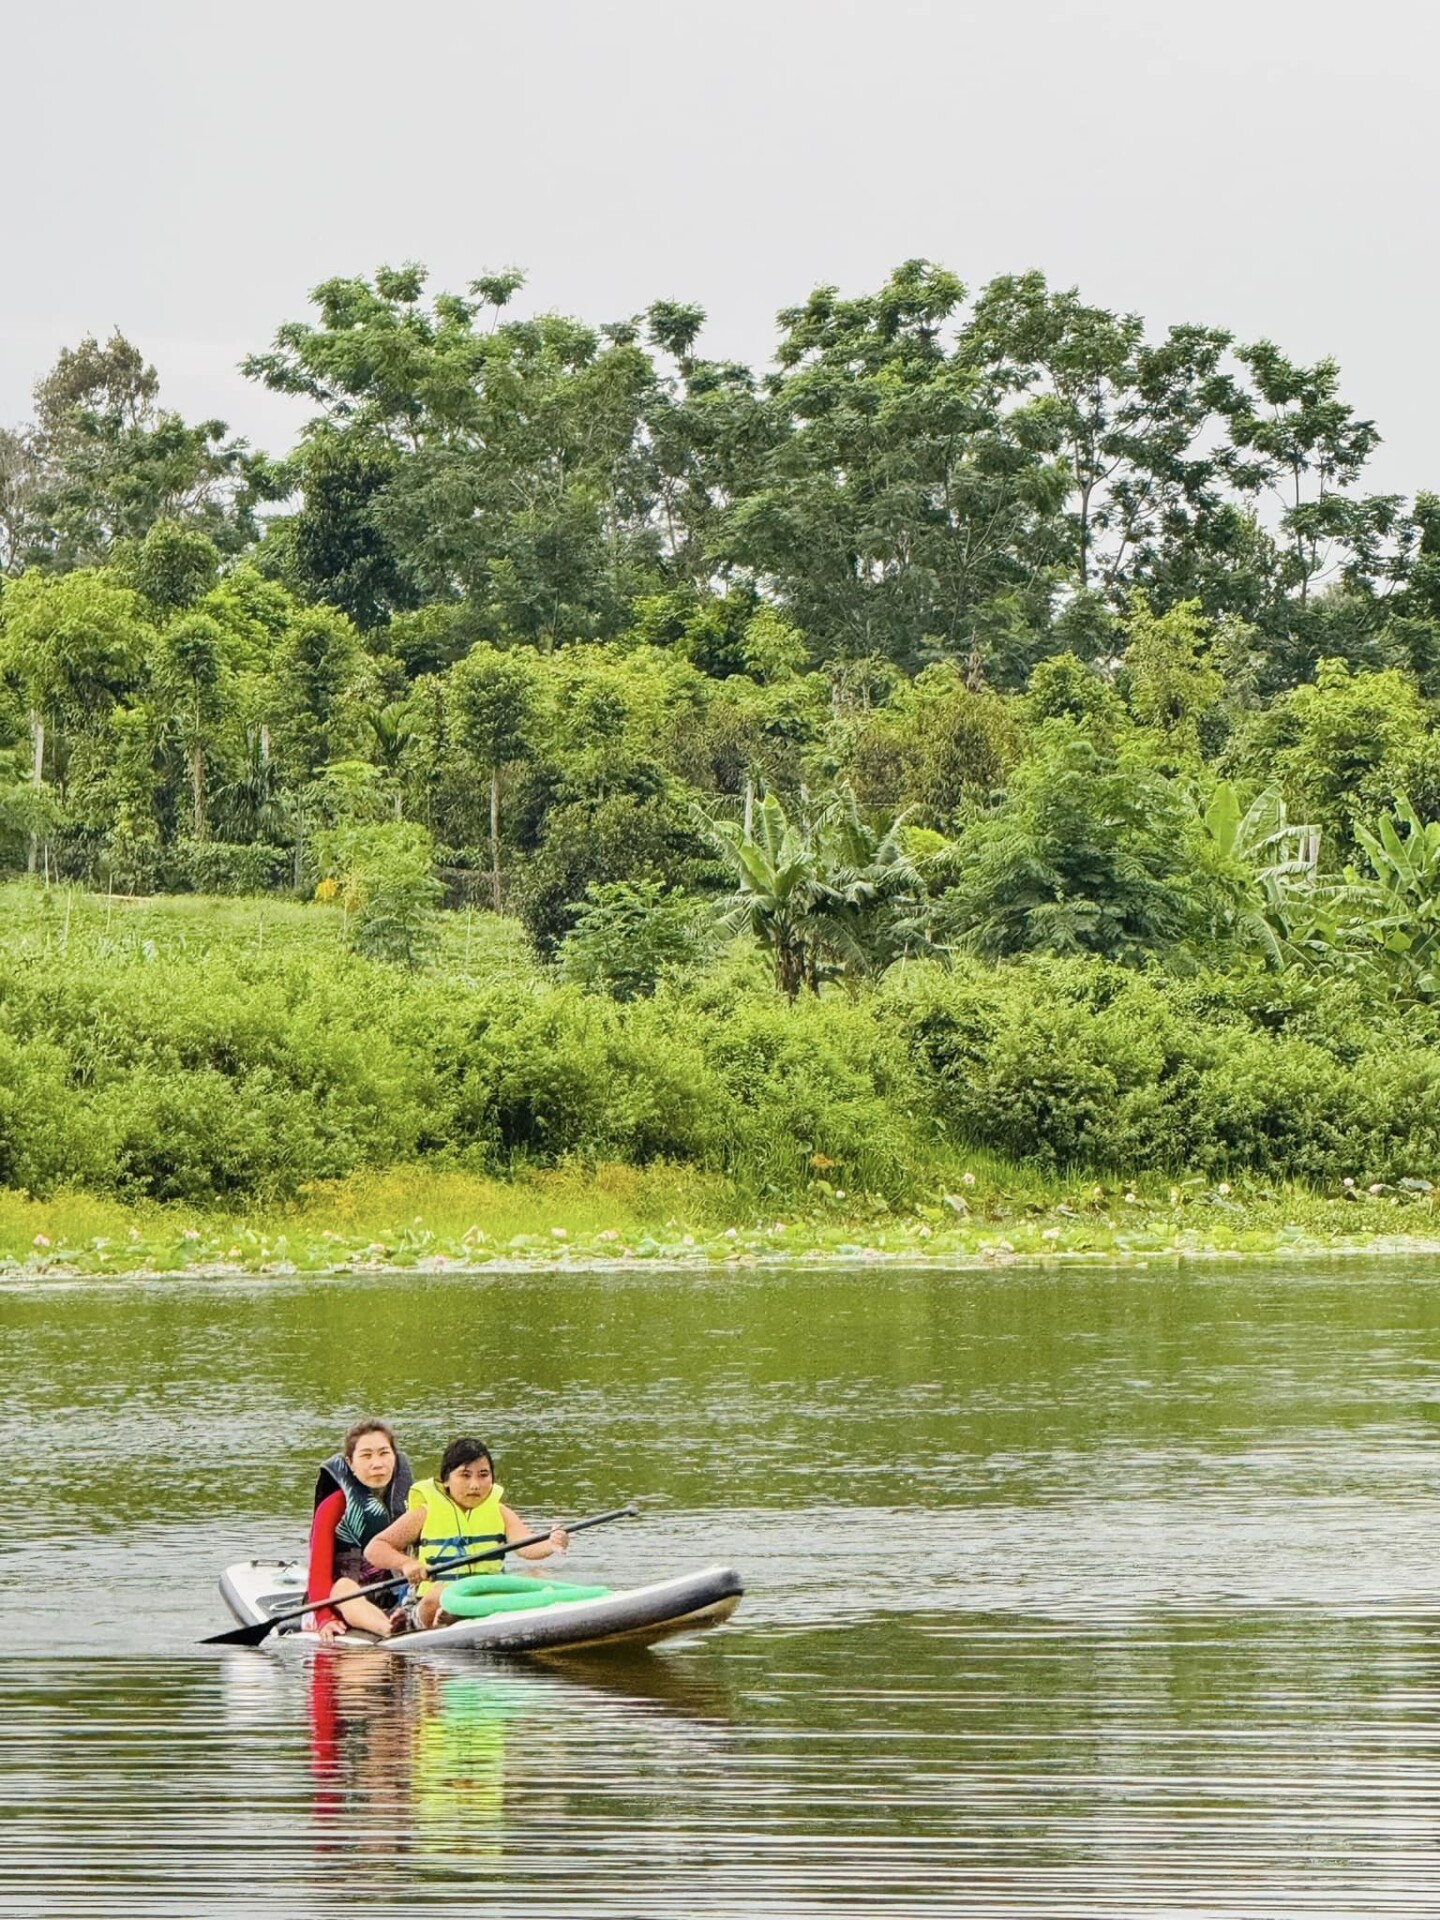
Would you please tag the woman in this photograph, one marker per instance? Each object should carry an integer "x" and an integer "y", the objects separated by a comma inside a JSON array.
[{"x": 358, "y": 1494}]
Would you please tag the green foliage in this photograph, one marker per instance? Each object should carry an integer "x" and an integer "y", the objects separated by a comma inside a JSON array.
[
  {"x": 821, "y": 888},
  {"x": 74, "y": 643},
  {"x": 196, "y": 1051},
  {"x": 384, "y": 876},
  {"x": 991, "y": 629},
  {"x": 892, "y": 501},
  {"x": 1170, "y": 685},
  {"x": 619, "y": 837},
  {"x": 104, "y": 464},
  {"x": 1261, "y": 872},
  {"x": 1336, "y": 747},
  {"x": 940, "y": 746},
  {"x": 631, "y": 934},
  {"x": 1088, "y": 854},
  {"x": 315, "y": 666},
  {"x": 174, "y": 565},
  {"x": 1388, "y": 920}
]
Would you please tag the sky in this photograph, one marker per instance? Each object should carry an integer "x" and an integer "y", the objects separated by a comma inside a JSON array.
[{"x": 187, "y": 171}]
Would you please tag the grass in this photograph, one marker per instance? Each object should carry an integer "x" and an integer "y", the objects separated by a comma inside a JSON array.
[
  {"x": 43, "y": 922},
  {"x": 420, "y": 1217}
]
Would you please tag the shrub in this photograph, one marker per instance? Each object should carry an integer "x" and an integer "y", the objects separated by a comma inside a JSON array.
[
  {"x": 386, "y": 878},
  {"x": 629, "y": 934},
  {"x": 223, "y": 866}
]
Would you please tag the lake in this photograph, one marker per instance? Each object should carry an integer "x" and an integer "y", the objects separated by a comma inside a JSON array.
[{"x": 1068, "y": 1594}]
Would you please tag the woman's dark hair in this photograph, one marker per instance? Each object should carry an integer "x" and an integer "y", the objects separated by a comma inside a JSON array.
[
  {"x": 360, "y": 1429},
  {"x": 462, "y": 1453}
]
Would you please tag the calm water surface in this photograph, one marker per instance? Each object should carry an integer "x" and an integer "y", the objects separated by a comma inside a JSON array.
[{"x": 1068, "y": 1595}]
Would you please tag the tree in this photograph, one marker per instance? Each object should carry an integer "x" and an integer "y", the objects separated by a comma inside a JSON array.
[
  {"x": 629, "y": 934},
  {"x": 175, "y": 565},
  {"x": 496, "y": 699},
  {"x": 313, "y": 670},
  {"x": 891, "y": 497},
  {"x": 1171, "y": 685},
  {"x": 1262, "y": 870},
  {"x": 1128, "y": 420},
  {"x": 1291, "y": 435},
  {"x": 1088, "y": 854},
  {"x": 341, "y": 552},
  {"x": 1336, "y": 748},
  {"x": 391, "y": 726},
  {"x": 503, "y": 463},
  {"x": 104, "y": 462},
  {"x": 384, "y": 877},
  {"x": 1387, "y": 921},
  {"x": 820, "y": 887},
  {"x": 191, "y": 671},
  {"x": 74, "y": 645}
]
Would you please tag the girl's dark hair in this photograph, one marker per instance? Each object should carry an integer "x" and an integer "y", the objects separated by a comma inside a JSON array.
[
  {"x": 360, "y": 1429},
  {"x": 462, "y": 1453}
]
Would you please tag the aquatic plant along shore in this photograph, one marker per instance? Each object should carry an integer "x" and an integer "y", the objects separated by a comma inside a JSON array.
[{"x": 576, "y": 1218}]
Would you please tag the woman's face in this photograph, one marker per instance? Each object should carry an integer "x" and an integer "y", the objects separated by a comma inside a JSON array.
[
  {"x": 470, "y": 1484},
  {"x": 373, "y": 1461}
]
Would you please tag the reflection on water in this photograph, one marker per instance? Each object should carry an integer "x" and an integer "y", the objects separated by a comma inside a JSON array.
[
  {"x": 990, "y": 1767},
  {"x": 1094, "y": 1598},
  {"x": 410, "y": 1760}
]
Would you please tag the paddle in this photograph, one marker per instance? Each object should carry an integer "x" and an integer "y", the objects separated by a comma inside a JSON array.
[{"x": 258, "y": 1630}]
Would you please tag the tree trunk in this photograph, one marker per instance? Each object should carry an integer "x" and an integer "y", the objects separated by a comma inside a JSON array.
[
  {"x": 789, "y": 967},
  {"x": 198, "y": 827},
  {"x": 37, "y": 779},
  {"x": 495, "y": 837}
]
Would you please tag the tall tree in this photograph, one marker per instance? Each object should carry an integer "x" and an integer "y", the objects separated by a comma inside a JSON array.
[
  {"x": 1132, "y": 422},
  {"x": 502, "y": 460},
  {"x": 191, "y": 671},
  {"x": 496, "y": 703},
  {"x": 74, "y": 646},
  {"x": 894, "y": 499},
  {"x": 104, "y": 462}
]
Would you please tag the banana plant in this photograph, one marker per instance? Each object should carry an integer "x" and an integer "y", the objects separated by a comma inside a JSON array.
[
  {"x": 1392, "y": 914},
  {"x": 1271, "y": 863},
  {"x": 820, "y": 889}
]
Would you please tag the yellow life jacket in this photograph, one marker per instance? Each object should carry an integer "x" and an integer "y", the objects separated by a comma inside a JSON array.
[{"x": 451, "y": 1532}]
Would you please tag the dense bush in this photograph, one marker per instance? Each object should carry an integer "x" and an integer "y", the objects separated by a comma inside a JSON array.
[
  {"x": 222, "y": 866},
  {"x": 1079, "y": 1064},
  {"x": 195, "y": 1068}
]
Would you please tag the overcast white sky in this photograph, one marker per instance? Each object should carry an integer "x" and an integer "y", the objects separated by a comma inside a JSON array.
[{"x": 187, "y": 171}]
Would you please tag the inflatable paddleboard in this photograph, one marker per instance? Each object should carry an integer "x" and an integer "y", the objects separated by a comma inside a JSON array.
[{"x": 553, "y": 1623}]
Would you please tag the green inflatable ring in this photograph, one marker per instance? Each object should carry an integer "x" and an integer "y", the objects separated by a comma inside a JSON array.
[{"x": 482, "y": 1594}]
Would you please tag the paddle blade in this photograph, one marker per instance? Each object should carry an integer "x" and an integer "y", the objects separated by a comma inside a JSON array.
[{"x": 250, "y": 1636}]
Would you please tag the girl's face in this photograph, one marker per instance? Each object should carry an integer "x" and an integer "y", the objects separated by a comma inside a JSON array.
[
  {"x": 470, "y": 1484},
  {"x": 373, "y": 1461}
]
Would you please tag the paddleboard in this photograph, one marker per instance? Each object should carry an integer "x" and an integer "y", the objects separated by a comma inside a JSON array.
[{"x": 253, "y": 1590}]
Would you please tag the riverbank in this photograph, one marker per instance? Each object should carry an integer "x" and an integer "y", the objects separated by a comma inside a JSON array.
[{"x": 418, "y": 1218}]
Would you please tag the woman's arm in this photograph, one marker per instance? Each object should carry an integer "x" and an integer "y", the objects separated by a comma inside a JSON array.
[
  {"x": 387, "y": 1549},
  {"x": 321, "y": 1577},
  {"x": 516, "y": 1529}
]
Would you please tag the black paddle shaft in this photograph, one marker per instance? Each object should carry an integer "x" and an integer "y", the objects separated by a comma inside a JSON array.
[{"x": 258, "y": 1630}]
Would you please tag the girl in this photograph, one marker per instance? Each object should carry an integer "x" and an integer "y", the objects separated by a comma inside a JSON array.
[
  {"x": 359, "y": 1492},
  {"x": 457, "y": 1513}
]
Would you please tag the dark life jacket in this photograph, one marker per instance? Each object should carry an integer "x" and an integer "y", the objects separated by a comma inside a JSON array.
[{"x": 366, "y": 1511}]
